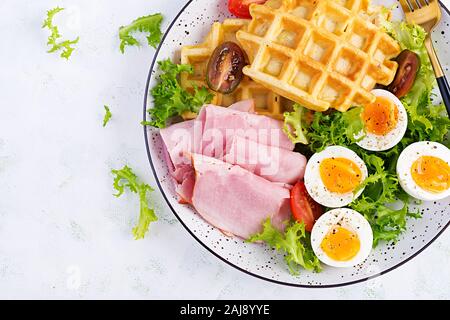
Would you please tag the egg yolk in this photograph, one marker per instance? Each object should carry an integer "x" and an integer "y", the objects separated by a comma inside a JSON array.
[
  {"x": 340, "y": 175},
  {"x": 431, "y": 174},
  {"x": 380, "y": 117},
  {"x": 341, "y": 244}
]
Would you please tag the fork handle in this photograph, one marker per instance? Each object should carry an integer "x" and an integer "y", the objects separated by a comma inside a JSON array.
[
  {"x": 439, "y": 73},
  {"x": 445, "y": 92}
]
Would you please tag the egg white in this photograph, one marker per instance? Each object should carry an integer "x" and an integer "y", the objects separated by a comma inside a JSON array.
[
  {"x": 375, "y": 142},
  {"x": 315, "y": 186},
  {"x": 350, "y": 220},
  {"x": 409, "y": 155}
]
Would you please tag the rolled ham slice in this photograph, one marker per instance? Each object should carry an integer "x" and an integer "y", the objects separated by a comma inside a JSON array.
[
  {"x": 235, "y": 200},
  {"x": 220, "y": 125},
  {"x": 180, "y": 141},
  {"x": 180, "y": 138},
  {"x": 185, "y": 188},
  {"x": 186, "y": 137},
  {"x": 215, "y": 128},
  {"x": 272, "y": 163},
  {"x": 213, "y": 134}
]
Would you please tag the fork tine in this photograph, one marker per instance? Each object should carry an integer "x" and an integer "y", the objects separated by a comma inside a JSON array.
[
  {"x": 405, "y": 6},
  {"x": 413, "y": 4},
  {"x": 422, "y": 3}
]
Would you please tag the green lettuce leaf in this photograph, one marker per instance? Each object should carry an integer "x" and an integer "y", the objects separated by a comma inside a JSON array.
[
  {"x": 150, "y": 24},
  {"x": 381, "y": 193},
  {"x": 126, "y": 179},
  {"x": 54, "y": 41},
  {"x": 336, "y": 128},
  {"x": 295, "y": 243},
  {"x": 170, "y": 99},
  {"x": 426, "y": 121},
  {"x": 107, "y": 116},
  {"x": 295, "y": 126}
]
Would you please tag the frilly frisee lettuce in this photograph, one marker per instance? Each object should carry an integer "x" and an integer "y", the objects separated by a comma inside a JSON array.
[
  {"x": 125, "y": 178},
  {"x": 320, "y": 130},
  {"x": 381, "y": 195},
  {"x": 107, "y": 116},
  {"x": 150, "y": 24},
  {"x": 383, "y": 202},
  {"x": 170, "y": 99},
  {"x": 294, "y": 242},
  {"x": 54, "y": 40},
  {"x": 295, "y": 124},
  {"x": 426, "y": 121}
]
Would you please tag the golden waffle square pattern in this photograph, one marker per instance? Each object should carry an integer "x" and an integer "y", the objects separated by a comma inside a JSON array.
[
  {"x": 267, "y": 102},
  {"x": 320, "y": 54}
]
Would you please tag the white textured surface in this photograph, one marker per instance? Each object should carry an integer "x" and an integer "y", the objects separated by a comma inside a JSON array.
[{"x": 62, "y": 234}]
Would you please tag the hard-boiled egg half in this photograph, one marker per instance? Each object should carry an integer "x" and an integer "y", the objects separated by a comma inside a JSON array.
[
  {"x": 385, "y": 121},
  {"x": 333, "y": 175},
  {"x": 342, "y": 238},
  {"x": 423, "y": 170}
]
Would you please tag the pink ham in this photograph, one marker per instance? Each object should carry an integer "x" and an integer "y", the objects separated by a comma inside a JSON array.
[
  {"x": 181, "y": 138},
  {"x": 220, "y": 125},
  {"x": 213, "y": 133},
  {"x": 235, "y": 200},
  {"x": 186, "y": 136},
  {"x": 272, "y": 163},
  {"x": 185, "y": 188},
  {"x": 217, "y": 126},
  {"x": 244, "y": 106}
]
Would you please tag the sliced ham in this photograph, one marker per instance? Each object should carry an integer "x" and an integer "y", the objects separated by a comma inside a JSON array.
[
  {"x": 216, "y": 132},
  {"x": 235, "y": 200},
  {"x": 181, "y": 138},
  {"x": 185, "y": 188},
  {"x": 215, "y": 128},
  {"x": 244, "y": 106},
  {"x": 180, "y": 141},
  {"x": 272, "y": 163},
  {"x": 220, "y": 125}
]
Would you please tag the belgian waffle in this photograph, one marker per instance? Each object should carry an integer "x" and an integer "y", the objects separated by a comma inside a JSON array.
[
  {"x": 320, "y": 54},
  {"x": 267, "y": 102}
]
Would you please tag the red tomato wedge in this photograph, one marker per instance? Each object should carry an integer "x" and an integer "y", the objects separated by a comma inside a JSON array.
[
  {"x": 304, "y": 208},
  {"x": 240, "y": 8}
]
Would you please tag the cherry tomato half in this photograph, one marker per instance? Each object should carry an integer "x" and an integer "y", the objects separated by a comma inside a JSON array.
[
  {"x": 304, "y": 208},
  {"x": 240, "y": 8}
]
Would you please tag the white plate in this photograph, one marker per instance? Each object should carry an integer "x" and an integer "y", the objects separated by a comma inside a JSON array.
[{"x": 189, "y": 27}]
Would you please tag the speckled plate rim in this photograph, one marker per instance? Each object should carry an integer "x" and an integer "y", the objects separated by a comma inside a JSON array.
[{"x": 147, "y": 147}]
